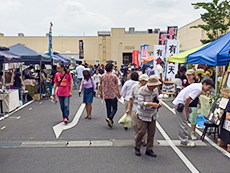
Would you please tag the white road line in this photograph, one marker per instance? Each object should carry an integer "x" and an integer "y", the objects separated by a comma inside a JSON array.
[
  {"x": 86, "y": 143},
  {"x": 61, "y": 126},
  {"x": 189, "y": 165},
  {"x": 16, "y": 110},
  {"x": 169, "y": 108},
  {"x": 200, "y": 133}
]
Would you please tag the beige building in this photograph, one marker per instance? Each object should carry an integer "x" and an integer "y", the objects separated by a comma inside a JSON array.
[
  {"x": 190, "y": 37},
  {"x": 116, "y": 45}
]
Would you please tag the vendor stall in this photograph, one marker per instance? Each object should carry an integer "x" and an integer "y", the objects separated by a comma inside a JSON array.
[
  {"x": 214, "y": 54},
  {"x": 224, "y": 116},
  {"x": 9, "y": 100},
  {"x": 30, "y": 56}
]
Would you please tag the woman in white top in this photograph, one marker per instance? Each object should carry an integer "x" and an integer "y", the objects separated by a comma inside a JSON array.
[
  {"x": 96, "y": 78},
  {"x": 118, "y": 74},
  {"x": 126, "y": 89}
]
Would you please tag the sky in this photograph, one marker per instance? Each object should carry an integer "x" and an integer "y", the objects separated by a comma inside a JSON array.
[{"x": 87, "y": 17}]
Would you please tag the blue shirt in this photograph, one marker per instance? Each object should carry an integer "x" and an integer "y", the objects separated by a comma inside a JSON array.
[{"x": 149, "y": 72}]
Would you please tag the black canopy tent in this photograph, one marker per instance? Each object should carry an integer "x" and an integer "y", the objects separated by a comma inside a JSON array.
[
  {"x": 30, "y": 56},
  {"x": 7, "y": 57}
]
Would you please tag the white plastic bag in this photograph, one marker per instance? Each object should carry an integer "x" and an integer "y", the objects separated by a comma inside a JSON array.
[
  {"x": 128, "y": 121},
  {"x": 121, "y": 100},
  {"x": 122, "y": 120}
]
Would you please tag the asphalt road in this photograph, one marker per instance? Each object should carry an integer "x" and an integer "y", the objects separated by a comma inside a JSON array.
[{"x": 34, "y": 126}]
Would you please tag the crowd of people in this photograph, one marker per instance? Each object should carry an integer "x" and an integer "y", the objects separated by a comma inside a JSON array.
[{"x": 140, "y": 89}]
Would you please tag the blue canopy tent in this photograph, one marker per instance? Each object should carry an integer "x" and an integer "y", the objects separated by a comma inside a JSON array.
[
  {"x": 214, "y": 54},
  {"x": 64, "y": 59},
  {"x": 59, "y": 59},
  {"x": 28, "y": 55},
  {"x": 146, "y": 65}
]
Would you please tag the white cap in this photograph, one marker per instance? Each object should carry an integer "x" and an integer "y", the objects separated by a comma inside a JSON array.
[{"x": 144, "y": 77}]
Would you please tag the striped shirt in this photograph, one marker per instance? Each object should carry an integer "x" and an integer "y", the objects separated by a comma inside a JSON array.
[
  {"x": 146, "y": 113},
  {"x": 134, "y": 96}
]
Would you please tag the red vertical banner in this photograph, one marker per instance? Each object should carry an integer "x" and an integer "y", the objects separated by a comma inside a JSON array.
[{"x": 135, "y": 58}]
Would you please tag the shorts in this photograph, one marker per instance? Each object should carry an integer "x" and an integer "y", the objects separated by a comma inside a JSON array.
[{"x": 193, "y": 115}]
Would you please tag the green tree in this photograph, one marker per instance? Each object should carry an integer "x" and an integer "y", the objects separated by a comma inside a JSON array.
[{"x": 216, "y": 18}]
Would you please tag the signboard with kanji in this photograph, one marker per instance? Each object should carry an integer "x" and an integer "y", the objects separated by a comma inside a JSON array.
[
  {"x": 162, "y": 38},
  {"x": 172, "y": 32}
]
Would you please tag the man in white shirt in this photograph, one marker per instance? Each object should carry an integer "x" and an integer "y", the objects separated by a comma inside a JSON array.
[
  {"x": 182, "y": 101},
  {"x": 79, "y": 71},
  {"x": 159, "y": 71}
]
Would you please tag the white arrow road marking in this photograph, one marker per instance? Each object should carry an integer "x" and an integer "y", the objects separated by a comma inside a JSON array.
[{"x": 61, "y": 126}]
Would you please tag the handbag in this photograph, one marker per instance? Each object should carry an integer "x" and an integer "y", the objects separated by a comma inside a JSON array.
[{"x": 180, "y": 107}]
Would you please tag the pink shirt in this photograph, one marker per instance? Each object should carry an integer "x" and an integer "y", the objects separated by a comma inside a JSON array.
[
  {"x": 86, "y": 84},
  {"x": 64, "y": 87}
]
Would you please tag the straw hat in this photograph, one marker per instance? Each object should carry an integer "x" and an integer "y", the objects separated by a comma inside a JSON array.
[
  {"x": 190, "y": 72},
  {"x": 153, "y": 81}
]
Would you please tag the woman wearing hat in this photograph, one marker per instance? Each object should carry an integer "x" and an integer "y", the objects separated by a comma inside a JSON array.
[{"x": 148, "y": 105}]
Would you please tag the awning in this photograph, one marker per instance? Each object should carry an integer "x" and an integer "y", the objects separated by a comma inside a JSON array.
[
  {"x": 28, "y": 55},
  {"x": 214, "y": 54},
  {"x": 182, "y": 57}
]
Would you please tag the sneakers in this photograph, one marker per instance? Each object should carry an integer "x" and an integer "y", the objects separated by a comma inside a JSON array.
[
  {"x": 193, "y": 136},
  {"x": 150, "y": 153},
  {"x": 137, "y": 152},
  {"x": 110, "y": 123},
  {"x": 189, "y": 144}
]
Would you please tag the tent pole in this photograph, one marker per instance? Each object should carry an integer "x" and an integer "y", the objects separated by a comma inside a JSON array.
[
  {"x": 3, "y": 87},
  {"x": 216, "y": 82},
  {"x": 40, "y": 79}
]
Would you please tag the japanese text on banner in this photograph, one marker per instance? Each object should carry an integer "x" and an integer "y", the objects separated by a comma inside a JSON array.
[
  {"x": 159, "y": 54},
  {"x": 172, "y": 48}
]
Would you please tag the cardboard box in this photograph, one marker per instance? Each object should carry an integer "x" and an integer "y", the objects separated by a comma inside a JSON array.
[{"x": 36, "y": 97}]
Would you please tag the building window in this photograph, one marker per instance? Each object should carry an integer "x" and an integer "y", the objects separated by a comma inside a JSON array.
[{"x": 127, "y": 58}]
